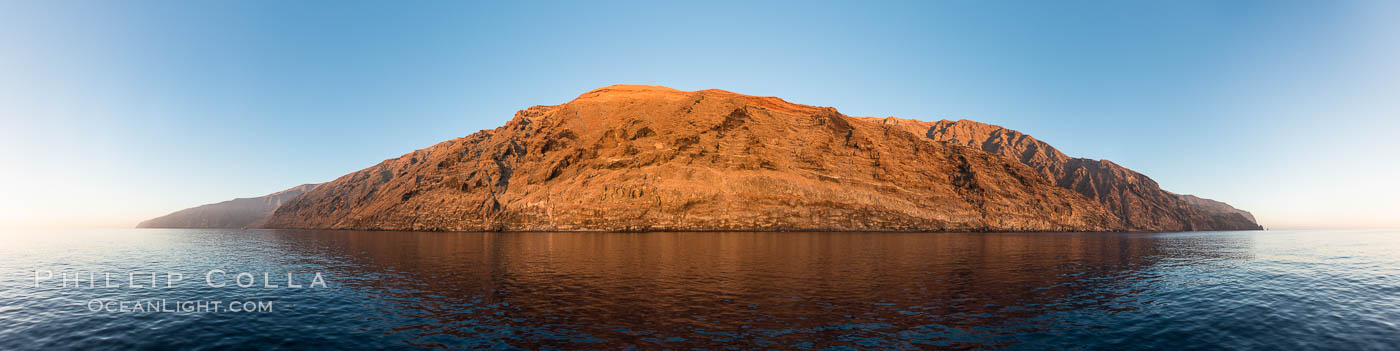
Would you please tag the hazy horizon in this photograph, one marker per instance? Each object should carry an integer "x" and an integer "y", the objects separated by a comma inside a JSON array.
[{"x": 117, "y": 113}]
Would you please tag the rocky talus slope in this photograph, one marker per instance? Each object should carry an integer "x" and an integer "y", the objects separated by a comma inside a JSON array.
[
  {"x": 635, "y": 158},
  {"x": 1217, "y": 208},
  {"x": 236, "y": 213},
  {"x": 1130, "y": 195}
]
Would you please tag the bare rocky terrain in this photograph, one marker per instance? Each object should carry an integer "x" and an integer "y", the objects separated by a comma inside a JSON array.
[
  {"x": 1130, "y": 195},
  {"x": 639, "y": 158},
  {"x": 648, "y": 158},
  {"x": 236, "y": 213}
]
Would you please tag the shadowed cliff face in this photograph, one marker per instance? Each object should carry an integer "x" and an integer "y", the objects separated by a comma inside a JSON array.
[
  {"x": 236, "y": 213},
  {"x": 1214, "y": 207},
  {"x": 1133, "y": 197},
  {"x": 652, "y": 158}
]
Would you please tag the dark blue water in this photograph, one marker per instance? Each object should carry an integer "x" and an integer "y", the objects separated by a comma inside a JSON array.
[{"x": 1222, "y": 290}]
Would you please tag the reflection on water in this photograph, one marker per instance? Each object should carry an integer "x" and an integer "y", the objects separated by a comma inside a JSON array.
[{"x": 740, "y": 290}]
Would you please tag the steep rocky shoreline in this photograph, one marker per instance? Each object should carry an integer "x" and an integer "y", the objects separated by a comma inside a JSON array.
[
  {"x": 639, "y": 158},
  {"x": 1130, "y": 195},
  {"x": 236, "y": 213}
]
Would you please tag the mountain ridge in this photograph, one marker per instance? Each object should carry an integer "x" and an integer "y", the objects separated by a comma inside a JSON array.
[
  {"x": 1131, "y": 195},
  {"x": 652, "y": 158},
  {"x": 236, "y": 213},
  {"x": 636, "y": 158}
]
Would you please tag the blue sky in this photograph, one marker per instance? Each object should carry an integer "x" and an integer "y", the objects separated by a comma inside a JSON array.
[{"x": 114, "y": 112}]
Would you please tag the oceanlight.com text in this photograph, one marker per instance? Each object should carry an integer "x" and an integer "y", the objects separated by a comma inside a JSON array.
[{"x": 168, "y": 306}]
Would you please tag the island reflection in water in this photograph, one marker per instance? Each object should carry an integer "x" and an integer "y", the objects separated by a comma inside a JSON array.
[
  {"x": 739, "y": 290},
  {"x": 755, "y": 289}
]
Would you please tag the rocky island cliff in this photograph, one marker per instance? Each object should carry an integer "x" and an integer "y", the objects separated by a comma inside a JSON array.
[
  {"x": 1132, "y": 196},
  {"x": 236, "y": 213},
  {"x": 639, "y": 158}
]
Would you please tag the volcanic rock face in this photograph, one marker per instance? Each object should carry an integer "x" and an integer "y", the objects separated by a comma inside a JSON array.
[
  {"x": 236, "y": 213},
  {"x": 653, "y": 158},
  {"x": 1216, "y": 207},
  {"x": 1133, "y": 197}
]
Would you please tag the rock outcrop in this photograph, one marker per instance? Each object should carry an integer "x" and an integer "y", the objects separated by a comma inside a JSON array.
[
  {"x": 236, "y": 213},
  {"x": 635, "y": 158},
  {"x": 1216, "y": 207},
  {"x": 639, "y": 158},
  {"x": 1130, "y": 195}
]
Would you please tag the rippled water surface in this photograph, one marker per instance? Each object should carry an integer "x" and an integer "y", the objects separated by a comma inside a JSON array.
[{"x": 1261, "y": 290}]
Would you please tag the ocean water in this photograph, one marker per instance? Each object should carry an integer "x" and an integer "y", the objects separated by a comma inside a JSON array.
[{"x": 1282, "y": 290}]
